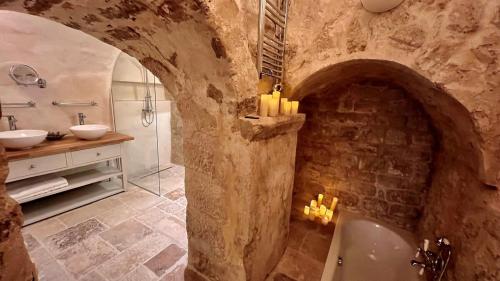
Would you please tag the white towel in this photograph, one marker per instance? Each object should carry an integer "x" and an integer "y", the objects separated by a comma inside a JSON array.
[{"x": 25, "y": 189}]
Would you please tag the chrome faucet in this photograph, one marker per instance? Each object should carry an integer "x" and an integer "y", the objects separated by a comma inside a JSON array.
[
  {"x": 81, "y": 118},
  {"x": 12, "y": 122},
  {"x": 434, "y": 263}
]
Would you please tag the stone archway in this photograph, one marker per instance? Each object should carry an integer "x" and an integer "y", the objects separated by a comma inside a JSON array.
[
  {"x": 191, "y": 46},
  {"x": 457, "y": 199}
]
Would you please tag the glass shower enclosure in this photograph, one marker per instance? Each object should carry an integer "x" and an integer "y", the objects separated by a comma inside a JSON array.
[{"x": 141, "y": 110}]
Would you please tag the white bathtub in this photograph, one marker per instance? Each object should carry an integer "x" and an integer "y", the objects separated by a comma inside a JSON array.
[{"x": 370, "y": 251}]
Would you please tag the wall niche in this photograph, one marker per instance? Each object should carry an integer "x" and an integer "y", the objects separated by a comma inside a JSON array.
[{"x": 370, "y": 144}]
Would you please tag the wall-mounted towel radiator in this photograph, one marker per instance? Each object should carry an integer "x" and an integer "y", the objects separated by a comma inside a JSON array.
[{"x": 272, "y": 35}]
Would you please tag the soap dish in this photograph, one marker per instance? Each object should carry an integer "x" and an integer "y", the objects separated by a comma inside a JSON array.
[{"x": 51, "y": 136}]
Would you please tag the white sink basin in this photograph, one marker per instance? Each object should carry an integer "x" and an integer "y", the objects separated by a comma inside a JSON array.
[
  {"x": 21, "y": 139},
  {"x": 89, "y": 132}
]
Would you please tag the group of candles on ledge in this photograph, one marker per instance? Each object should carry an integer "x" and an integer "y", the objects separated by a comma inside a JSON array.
[
  {"x": 317, "y": 210},
  {"x": 273, "y": 105}
]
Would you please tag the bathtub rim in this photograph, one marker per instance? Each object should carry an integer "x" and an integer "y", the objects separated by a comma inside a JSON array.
[{"x": 333, "y": 253}]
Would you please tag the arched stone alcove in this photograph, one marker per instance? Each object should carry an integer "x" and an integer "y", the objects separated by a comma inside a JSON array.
[
  {"x": 197, "y": 51},
  {"x": 454, "y": 199}
]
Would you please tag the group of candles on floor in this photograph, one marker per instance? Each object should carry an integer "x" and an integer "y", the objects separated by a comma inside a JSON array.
[
  {"x": 317, "y": 210},
  {"x": 273, "y": 105}
]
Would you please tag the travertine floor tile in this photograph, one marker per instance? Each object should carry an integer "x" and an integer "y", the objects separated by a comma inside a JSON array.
[
  {"x": 93, "y": 276},
  {"x": 129, "y": 259},
  {"x": 71, "y": 236},
  {"x": 175, "y": 194},
  {"x": 151, "y": 216},
  {"x": 298, "y": 266},
  {"x": 172, "y": 227},
  {"x": 81, "y": 243},
  {"x": 169, "y": 256},
  {"x": 126, "y": 234},
  {"x": 45, "y": 228},
  {"x": 47, "y": 266},
  {"x": 140, "y": 200},
  {"x": 117, "y": 215},
  {"x": 84, "y": 256},
  {"x": 177, "y": 274},
  {"x": 141, "y": 273},
  {"x": 30, "y": 242},
  {"x": 89, "y": 211},
  {"x": 177, "y": 170}
]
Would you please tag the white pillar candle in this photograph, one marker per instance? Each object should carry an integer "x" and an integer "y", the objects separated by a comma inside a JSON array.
[
  {"x": 324, "y": 220},
  {"x": 287, "y": 108},
  {"x": 306, "y": 210},
  {"x": 282, "y": 105},
  {"x": 264, "y": 105},
  {"x": 320, "y": 199},
  {"x": 314, "y": 203},
  {"x": 334, "y": 204},
  {"x": 276, "y": 95},
  {"x": 322, "y": 210},
  {"x": 295, "y": 107},
  {"x": 274, "y": 105}
]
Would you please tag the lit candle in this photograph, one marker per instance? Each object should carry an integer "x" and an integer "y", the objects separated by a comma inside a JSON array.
[
  {"x": 274, "y": 105},
  {"x": 334, "y": 204},
  {"x": 320, "y": 199},
  {"x": 306, "y": 210},
  {"x": 322, "y": 210},
  {"x": 295, "y": 107},
  {"x": 276, "y": 95},
  {"x": 287, "y": 108},
  {"x": 329, "y": 214},
  {"x": 324, "y": 220},
  {"x": 282, "y": 105},
  {"x": 314, "y": 204},
  {"x": 264, "y": 105}
]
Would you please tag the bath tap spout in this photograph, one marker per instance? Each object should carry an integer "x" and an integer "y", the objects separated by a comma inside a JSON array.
[{"x": 417, "y": 263}]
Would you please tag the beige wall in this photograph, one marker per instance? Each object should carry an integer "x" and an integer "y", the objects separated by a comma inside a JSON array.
[{"x": 77, "y": 67}]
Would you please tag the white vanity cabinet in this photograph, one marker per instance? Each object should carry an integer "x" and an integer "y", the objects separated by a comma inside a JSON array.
[{"x": 93, "y": 170}]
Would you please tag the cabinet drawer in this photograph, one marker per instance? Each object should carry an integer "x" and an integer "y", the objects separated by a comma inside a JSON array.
[
  {"x": 95, "y": 154},
  {"x": 34, "y": 166}
]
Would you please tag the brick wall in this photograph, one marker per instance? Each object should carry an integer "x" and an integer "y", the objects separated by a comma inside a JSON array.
[{"x": 369, "y": 144}]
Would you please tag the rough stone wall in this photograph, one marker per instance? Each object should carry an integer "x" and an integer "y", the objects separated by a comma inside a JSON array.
[
  {"x": 467, "y": 212},
  {"x": 15, "y": 263},
  {"x": 200, "y": 52},
  {"x": 177, "y": 151},
  {"x": 454, "y": 46},
  {"x": 369, "y": 144}
]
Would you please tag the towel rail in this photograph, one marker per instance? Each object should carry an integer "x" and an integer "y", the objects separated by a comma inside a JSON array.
[
  {"x": 271, "y": 42},
  {"x": 59, "y": 103},
  {"x": 18, "y": 104}
]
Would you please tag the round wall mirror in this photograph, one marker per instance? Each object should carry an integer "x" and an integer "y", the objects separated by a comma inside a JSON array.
[{"x": 26, "y": 75}]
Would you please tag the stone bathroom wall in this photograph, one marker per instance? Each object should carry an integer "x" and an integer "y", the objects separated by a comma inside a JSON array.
[
  {"x": 466, "y": 211},
  {"x": 200, "y": 52},
  {"x": 455, "y": 45},
  {"x": 369, "y": 144}
]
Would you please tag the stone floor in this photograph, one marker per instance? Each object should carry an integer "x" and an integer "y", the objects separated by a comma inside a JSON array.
[
  {"x": 160, "y": 183},
  {"x": 132, "y": 236},
  {"x": 306, "y": 253}
]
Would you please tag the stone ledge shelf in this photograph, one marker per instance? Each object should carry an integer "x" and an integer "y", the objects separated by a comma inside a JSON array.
[{"x": 269, "y": 127}]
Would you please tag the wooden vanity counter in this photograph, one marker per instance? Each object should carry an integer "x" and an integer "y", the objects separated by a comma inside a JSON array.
[{"x": 67, "y": 144}]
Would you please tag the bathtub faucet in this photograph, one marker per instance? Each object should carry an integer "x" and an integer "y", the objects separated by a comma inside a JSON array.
[{"x": 434, "y": 263}]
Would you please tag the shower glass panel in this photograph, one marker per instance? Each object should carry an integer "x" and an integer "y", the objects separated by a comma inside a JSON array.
[{"x": 141, "y": 110}]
